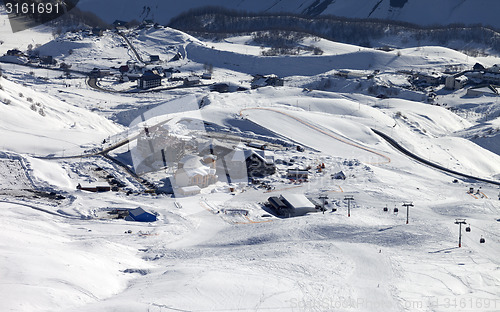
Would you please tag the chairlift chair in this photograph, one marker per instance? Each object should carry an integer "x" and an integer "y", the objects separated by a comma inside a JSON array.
[
  {"x": 482, "y": 240},
  {"x": 396, "y": 210},
  {"x": 467, "y": 229},
  {"x": 386, "y": 209}
]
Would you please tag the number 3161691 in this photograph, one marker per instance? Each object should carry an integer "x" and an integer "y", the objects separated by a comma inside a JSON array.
[{"x": 32, "y": 8}]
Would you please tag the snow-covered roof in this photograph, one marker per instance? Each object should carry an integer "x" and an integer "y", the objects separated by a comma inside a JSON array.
[
  {"x": 191, "y": 162},
  {"x": 93, "y": 184},
  {"x": 261, "y": 82},
  {"x": 191, "y": 172},
  {"x": 189, "y": 189},
  {"x": 486, "y": 90},
  {"x": 242, "y": 155},
  {"x": 297, "y": 201},
  {"x": 192, "y": 78}
]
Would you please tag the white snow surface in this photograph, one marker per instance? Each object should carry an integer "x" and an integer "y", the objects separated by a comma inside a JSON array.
[{"x": 203, "y": 253}]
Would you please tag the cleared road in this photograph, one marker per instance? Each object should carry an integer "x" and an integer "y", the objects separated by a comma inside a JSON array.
[{"x": 403, "y": 150}]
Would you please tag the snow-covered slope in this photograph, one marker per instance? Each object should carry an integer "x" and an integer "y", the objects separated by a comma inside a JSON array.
[
  {"x": 35, "y": 123},
  {"x": 422, "y": 12},
  {"x": 20, "y": 40}
]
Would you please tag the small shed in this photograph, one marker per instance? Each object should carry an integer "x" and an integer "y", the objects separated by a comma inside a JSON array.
[
  {"x": 257, "y": 145},
  {"x": 124, "y": 69},
  {"x": 259, "y": 81},
  {"x": 478, "y": 67},
  {"x": 189, "y": 190},
  {"x": 220, "y": 87},
  {"x": 339, "y": 176},
  {"x": 94, "y": 188},
  {"x": 191, "y": 81},
  {"x": 140, "y": 215},
  {"x": 154, "y": 58},
  {"x": 297, "y": 174}
]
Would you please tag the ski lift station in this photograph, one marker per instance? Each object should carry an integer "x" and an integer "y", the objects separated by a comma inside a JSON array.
[{"x": 292, "y": 205}]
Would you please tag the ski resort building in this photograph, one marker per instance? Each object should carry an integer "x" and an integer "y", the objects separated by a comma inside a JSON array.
[
  {"x": 149, "y": 80},
  {"x": 191, "y": 81},
  {"x": 297, "y": 174},
  {"x": 339, "y": 176},
  {"x": 429, "y": 78},
  {"x": 249, "y": 163},
  {"x": 193, "y": 170},
  {"x": 95, "y": 188},
  {"x": 455, "y": 82},
  {"x": 490, "y": 90},
  {"x": 259, "y": 81},
  {"x": 140, "y": 215},
  {"x": 292, "y": 205}
]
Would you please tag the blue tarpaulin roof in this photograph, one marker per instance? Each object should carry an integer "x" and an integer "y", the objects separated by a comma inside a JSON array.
[{"x": 140, "y": 215}]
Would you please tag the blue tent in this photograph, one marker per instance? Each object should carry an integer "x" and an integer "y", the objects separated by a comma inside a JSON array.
[{"x": 140, "y": 215}]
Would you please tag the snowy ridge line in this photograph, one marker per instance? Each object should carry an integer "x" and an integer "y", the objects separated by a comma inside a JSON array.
[
  {"x": 108, "y": 149},
  {"x": 388, "y": 159},
  {"x": 403, "y": 150}
]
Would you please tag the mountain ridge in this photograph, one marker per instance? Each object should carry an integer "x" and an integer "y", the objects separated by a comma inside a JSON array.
[{"x": 420, "y": 12}]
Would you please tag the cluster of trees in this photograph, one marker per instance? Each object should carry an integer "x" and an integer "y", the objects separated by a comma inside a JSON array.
[
  {"x": 77, "y": 19},
  {"x": 363, "y": 32},
  {"x": 283, "y": 42}
]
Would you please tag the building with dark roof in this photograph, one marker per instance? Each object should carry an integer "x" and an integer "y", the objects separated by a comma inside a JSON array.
[
  {"x": 149, "y": 80},
  {"x": 140, "y": 215}
]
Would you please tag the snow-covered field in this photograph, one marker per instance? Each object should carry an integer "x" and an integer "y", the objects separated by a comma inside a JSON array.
[{"x": 61, "y": 251}]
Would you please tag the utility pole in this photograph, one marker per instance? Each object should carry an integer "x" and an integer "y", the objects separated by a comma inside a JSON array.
[
  {"x": 460, "y": 222},
  {"x": 349, "y": 198},
  {"x": 407, "y": 205},
  {"x": 323, "y": 198}
]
